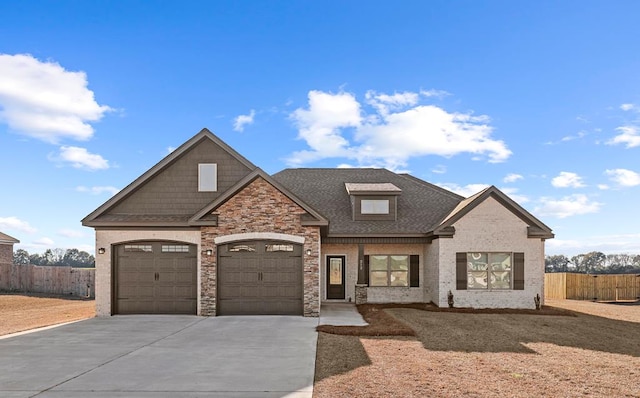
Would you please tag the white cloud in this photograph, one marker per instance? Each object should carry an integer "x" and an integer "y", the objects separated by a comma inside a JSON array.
[
  {"x": 170, "y": 149},
  {"x": 45, "y": 101},
  {"x": 80, "y": 158},
  {"x": 513, "y": 194},
  {"x": 628, "y": 107},
  {"x": 608, "y": 244},
  {"x": 629, "y": 136},
  {"x": 243, "y": 120},
  {"x": 567, "y": 180},
  {"x": 466, "y": 191},
  {"x": 320, "y": 125},
  {"x": 568, "y": 206},
  {"x": 624, "y": 177},
  {"x": 71, "y": 233},
  {"x": 44, "y": 242},
  {"x": 98, "y": 190},
  {"x": 603, "y": 187},
  {"x": 434, "y": 93},
  {"x": 383, "y": 103},
  {"x": 398, "y": 128},
  {"x": 512, "y": 177},
  {"x": 579, "y": 134},
  {"x": 38, "y": 245},
  {"x": 439, "y": 169},
  {"x": 17, "y": 224}
]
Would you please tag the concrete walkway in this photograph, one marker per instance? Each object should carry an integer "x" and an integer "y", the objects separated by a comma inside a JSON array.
[
  {"x": 340, "y": 314},
  {"x": 163, "y": 356}
]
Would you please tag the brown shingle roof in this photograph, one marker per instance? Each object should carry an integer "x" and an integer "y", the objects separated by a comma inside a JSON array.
[{"x": 421, "y": 206}]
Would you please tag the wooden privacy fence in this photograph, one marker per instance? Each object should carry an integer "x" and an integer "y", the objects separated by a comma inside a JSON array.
[
  {"x": 47, "y": 279},
  {"x": 607, "y": 287}
]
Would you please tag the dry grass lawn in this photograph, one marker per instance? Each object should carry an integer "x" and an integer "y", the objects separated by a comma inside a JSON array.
[
  {"x": 22, "y": 312},
  {"x": 594, "y": 352}
]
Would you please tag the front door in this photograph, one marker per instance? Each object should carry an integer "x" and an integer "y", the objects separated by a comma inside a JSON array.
[{"x": 335, "y": 277}]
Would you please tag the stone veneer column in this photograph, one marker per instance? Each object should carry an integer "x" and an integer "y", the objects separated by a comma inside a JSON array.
[
  {"x": 208, "y": 274},
  {"x": 361, "y": 294},
  {"x": 260, "y": 207}
]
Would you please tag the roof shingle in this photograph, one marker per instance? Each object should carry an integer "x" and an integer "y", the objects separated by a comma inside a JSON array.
[{"x": 421, "y": 206}]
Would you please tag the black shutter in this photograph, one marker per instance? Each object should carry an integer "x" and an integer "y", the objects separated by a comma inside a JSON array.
[
  {"x": 461, "y": 271},
  {"x": 414, "y": 270},
  {"x": 366, "y": 270},
  {"x": 518, "y": 271}
]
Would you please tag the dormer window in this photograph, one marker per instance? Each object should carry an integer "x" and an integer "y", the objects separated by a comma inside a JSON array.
[
  {"x": 374, "y": 206},
  {"x": 373, "y": 201}
]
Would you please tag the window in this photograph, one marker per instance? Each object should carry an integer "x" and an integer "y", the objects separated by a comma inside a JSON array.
[
  {"x": 488, "y": 271},
  {"x": 278, "y": 248},
  {"x": 137, "y": 248},
  {"x": 389, "y": 270},
  {"x": 207, "y": 177},
  {"x": 242, "y": 248},
  {"x": 175, "y": 248},
  {"x": 374, "y": 206}
]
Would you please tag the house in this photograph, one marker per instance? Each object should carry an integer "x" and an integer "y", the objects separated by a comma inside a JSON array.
[
  {"x": 6, "y": 248},
  {"x": 207, "y": 232},
  {"x": 6, "y": 260}
]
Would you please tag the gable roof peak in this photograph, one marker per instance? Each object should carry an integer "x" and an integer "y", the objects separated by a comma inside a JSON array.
[
  {"x": 541, "y": 230},
  {"x": 161, "y": 165},
  {"x": 197, "y": 218}
]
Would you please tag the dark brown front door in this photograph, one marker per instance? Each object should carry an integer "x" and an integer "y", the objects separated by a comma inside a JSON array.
[{"x": 335, "y": 277}]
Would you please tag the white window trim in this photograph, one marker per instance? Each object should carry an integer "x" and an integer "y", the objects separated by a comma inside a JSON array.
[{"x": 205, "y": 172}]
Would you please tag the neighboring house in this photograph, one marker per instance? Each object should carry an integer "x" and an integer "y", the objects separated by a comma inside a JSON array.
[
  {"x": 6, "y": 248},
  {"x": 206, "y": 232}
]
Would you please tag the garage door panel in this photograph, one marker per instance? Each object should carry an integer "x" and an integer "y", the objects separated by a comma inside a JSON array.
[
  {"x": 187, "y": 278},
  {"x": 152, "y": 280},
  {"x": 265, "y": 281},
  {"x": 249, "y": 292}
]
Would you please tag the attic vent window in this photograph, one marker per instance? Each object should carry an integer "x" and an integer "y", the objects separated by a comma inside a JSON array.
[
  {"x": 207, "y": 177},
  {"x": 374, "y": 206}
]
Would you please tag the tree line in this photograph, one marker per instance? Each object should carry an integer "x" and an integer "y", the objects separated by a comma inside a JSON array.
[
  {"x": 56, "y": 257},
  {"x": 594, "y": 263}
]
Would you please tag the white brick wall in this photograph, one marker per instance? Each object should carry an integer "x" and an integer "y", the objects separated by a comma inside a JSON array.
[
  {"x": 107, "y": 238},
  {"x": 490, "y": 227},
  {"x": 379, "y": 294}
]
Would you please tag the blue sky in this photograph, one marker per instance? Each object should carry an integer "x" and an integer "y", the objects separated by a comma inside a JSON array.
[{"x": 541, "y": 99}]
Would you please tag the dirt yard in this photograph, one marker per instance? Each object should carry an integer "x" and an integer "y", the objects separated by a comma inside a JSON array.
[
  {"x": 20, "y": 312},
  {"x": 593, "y": 354}
]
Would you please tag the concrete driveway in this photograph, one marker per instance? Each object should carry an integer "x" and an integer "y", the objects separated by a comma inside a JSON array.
[{"x": 163, "y": 356}]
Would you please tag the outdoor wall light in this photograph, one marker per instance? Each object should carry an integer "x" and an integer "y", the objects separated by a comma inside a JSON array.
[
  {"x": 101, "y": 250},
  {"x": 308, "y": 252},
  {"x": 208, "y": 252}
]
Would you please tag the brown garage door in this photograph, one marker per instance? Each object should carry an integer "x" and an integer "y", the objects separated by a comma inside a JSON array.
[
  {"x": 260, "y": 278},
  {"x": 155, "y": 278}
]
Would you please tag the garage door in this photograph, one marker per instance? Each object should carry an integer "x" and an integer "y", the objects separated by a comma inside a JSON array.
[
  {"x": 155, "y": 278},
  {"x": 260, "y": 278}
]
